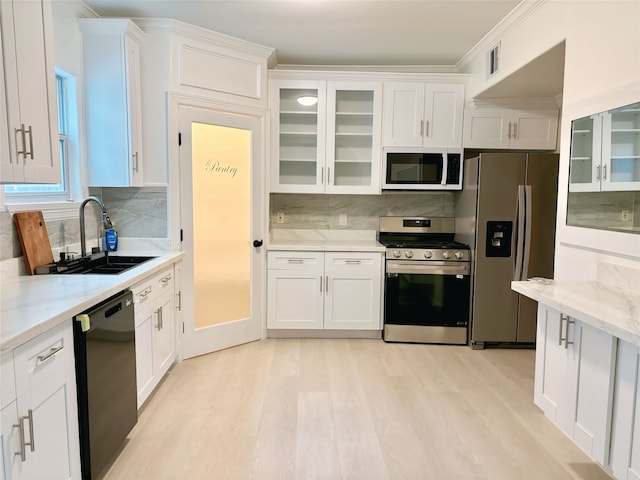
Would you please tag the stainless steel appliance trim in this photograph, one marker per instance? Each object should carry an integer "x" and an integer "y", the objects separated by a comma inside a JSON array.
[
  {"x": 428, "y": 268},
  {"x": 394, "y": 224},
  {"x": 520, "y": 220},
  {"x": 425, "y": 334},
  {"x": 527, "y": 232}
]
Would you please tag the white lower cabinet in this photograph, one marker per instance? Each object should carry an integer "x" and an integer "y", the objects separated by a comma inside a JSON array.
[
  {"x": 155, "y": 331},
  {"x": 574, "y": 379},
  {"x": 625, "y": 441},
  {"x": 317, "y": 290},
  {"x": 40, "y": 426}
]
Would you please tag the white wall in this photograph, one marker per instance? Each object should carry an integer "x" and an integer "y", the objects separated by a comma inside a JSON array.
[{"x": 602, "y": 71}]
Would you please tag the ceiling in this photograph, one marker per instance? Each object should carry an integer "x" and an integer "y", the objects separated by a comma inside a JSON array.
[{"x": 336, "y": 32}]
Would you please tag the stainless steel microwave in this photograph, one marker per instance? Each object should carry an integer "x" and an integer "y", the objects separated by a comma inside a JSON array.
[{"x": 422, "y": 169}]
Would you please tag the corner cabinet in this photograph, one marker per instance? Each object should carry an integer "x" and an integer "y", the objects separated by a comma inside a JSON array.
[
  {"x": 155, "y": 330},
  {"x": 324, "y": 290},
  {"x": 40, "y": 436},
  {"x": 605, "y": 151},
  {"x": 111, "y": 49},
  {"x": 30, "y": 119},
  {"x": 331, "y": 146},
  {"x": 419, "y": 115},
  {"x": 574, "y": 379},
  {"x": 510, "y": 128}
]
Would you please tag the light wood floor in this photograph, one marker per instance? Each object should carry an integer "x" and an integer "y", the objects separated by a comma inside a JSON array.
[{"x": 352, "y": 410}]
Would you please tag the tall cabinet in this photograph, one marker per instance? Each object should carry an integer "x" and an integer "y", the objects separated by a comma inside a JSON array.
[
  {"x": 32, "y": 154},
  {"x": 111, "y": 49},
  {"x": 325, "y": 136}
]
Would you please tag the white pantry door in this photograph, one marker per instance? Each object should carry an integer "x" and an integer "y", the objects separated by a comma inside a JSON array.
[{"x": 221, "y": 186}]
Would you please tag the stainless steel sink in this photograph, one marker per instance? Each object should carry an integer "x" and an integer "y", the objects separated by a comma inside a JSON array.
[{"x": 100, "y": 264}]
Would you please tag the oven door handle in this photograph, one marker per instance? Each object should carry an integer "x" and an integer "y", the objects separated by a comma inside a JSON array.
[{"x": 434, "y": 268}]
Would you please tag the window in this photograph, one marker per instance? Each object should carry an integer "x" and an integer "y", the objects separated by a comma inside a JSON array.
[{"x": 39, "y": 193}]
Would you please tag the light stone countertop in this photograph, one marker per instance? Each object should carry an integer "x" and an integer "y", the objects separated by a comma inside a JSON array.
[
  {"x": 605, "y": 306},
  {"x": 325, "y": 240},
  {"x": 33, "y": 304}
]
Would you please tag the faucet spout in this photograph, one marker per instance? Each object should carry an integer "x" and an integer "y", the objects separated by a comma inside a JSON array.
[{"x": 105, "y": 221}]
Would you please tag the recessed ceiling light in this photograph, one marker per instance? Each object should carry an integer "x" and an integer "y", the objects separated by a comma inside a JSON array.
[{"x": 307, "y": 100}]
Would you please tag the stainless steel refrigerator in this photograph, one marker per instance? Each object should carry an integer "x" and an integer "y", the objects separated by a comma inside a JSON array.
[{"x": 506, "y": 212}]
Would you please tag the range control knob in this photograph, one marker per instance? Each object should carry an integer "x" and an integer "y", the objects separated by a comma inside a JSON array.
[
  {"x": 446, "y": 254},
  {"x": 428, "y": 254},
  {"x": 459, "y": 255},
  {"x": 408, "y": 253},
  {"x": 396, "y": 254}
]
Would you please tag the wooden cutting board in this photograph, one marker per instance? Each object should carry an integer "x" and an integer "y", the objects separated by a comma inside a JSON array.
[{"x": 34, "y": 239}]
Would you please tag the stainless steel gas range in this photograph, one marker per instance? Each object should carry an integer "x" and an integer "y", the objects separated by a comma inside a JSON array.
[{"x": 427, "y": 284}]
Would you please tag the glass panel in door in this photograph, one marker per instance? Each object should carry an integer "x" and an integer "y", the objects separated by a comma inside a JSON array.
[
  {"x": 624, "y": 154},
  {"x": 298, "y": 136},
  {"x": 221, "y": 177},
  {"x": 354, "y": 118},
  {"x": 583, "y": 163}
]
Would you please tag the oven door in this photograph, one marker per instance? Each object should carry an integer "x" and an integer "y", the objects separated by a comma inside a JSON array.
[{"x": 427, "y": 293}]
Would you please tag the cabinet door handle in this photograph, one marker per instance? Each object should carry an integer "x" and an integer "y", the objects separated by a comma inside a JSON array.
[
  {"x": 322, "y": 175},
  {"x": 49, "y": 354},
  {"x": 23, "y": 138},
  {"x": 159, "y": 321},
  {"x": 30, "y": 152},
  {"x": 566, "y": 339},
  {"x": 23, "y": 443},
  {"x": 326, "y": 286},
  {"x": 509, "y": 134},
  {"x": 515, "y": 130},
  {"x": 560, "y": 339},
  {"x": 135, "y": 162},
  {"x": 598, "y": 176},
  {"x": 328, "y": 175},
  {"x": 426, "y": 129},
  {"x": 604, "y": 172},
  {"x": 321, "y": 284},
  {"x": 421, "y": 128},
  {"x": 179, "y": 295}
]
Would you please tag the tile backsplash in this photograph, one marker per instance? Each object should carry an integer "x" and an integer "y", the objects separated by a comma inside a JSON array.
[
  {"x": 136, "y": 212},
  {"x": 322, "y": 212}
]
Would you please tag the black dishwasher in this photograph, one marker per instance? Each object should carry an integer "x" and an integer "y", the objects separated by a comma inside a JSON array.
[{"x": 104, "y": 341}]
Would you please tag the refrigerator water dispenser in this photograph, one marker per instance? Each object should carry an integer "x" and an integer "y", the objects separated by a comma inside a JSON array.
[{"x": 499, "y": 239}]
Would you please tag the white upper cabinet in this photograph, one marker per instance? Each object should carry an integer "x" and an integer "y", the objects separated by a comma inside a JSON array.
[
  {"x": 510, "y": 128},
  {"x": 112, "y": 101},
  {"x": 605, "y": 151},
  {"x": 32, "y": 154},
  {"x": 330, "y": 146},
  {"x": 418, "y": 114}
]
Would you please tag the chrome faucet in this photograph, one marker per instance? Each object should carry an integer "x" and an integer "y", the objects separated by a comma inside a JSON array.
[{"x": 105, "y": 221}]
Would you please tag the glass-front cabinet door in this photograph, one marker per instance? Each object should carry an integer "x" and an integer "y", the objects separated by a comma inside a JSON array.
[
  {"x": 354, "y": 129},
  {"x": 621, "y": 149},
  {"x": 605, "y": 151},
  {"x": 586, "y": 152},
  {"x": 298, "y": 126},
  {"x": 325, "y": 136}
]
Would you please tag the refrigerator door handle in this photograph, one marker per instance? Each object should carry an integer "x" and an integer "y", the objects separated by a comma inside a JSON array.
[
  {"x": 520, "y": 221},
  {"x": 527, "y": 232}
]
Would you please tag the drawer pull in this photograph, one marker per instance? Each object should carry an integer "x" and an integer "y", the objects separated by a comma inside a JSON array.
[
  {"x": 295, "y": 261},
  {"x": 165, "y": 280},
  {"x": 23, "y": 443},
  {"x": 49, "y": 354},
  {"x": 353, "y": 262},
  {"x": 145, "y": 293}
]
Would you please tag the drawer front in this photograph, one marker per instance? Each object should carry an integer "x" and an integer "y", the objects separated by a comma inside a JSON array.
[
  {"x": 7, "y": 380},
  {"x": 290, "y": 260},
  {"x": 46, "y": 358},
  {"x": 362, "y": 261},
  {"x": 164, "y": 281}
]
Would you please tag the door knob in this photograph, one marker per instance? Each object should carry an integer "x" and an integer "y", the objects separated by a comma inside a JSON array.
[{"x": 257, "y": 243}]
